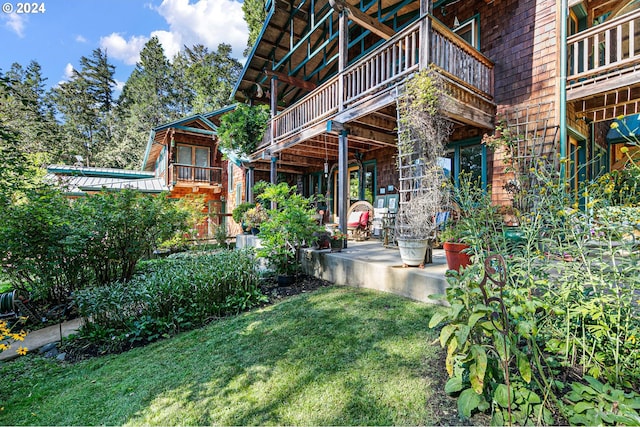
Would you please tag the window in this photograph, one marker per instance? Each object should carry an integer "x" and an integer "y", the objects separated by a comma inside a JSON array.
[
  {"x": 469, "y": 31},
  {"x": 467, "y": 156},
  {"x": 197, "y": 158}
]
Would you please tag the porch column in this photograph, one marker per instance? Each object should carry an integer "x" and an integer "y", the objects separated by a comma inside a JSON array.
[
  {"x": 250, "y": 184},
  {"x": 274, "y": 106},
  {"x": 274, "y": 176},
  {"x": 343, "y": 181},
  {"x": 343, "y": 46},
  {"x": 426, "y": 8}
]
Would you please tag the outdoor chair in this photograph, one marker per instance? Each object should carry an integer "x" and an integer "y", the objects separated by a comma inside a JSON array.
[{"x": 359, "y": 219}]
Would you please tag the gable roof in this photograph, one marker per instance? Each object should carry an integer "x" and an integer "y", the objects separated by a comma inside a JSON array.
[{"x": 199, "y": 127}]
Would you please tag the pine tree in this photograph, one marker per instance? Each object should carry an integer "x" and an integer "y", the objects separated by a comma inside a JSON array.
[
  {"x": 211, "y": 75},
  {"x": 254, "y": 15},
  {"x": 26, "y": 109},
  {"x": 85, "y": 103},
  {"x": 148, "y": 100}
]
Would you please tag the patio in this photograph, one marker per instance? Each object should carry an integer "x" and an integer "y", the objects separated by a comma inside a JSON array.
[{"x": 369, "y": 264}]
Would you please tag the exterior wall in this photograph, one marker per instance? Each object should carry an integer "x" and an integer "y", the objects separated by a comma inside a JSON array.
[
  {"x": 387, "y": 172},
  {"x": 521, "y": 37},
  {"x": 236, "y": 178}
]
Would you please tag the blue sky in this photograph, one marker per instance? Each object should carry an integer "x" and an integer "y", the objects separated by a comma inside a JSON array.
[{"x": 69, "y": 29}]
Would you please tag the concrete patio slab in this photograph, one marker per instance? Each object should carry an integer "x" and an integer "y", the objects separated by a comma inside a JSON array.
[{"x": 370, "y": 265}]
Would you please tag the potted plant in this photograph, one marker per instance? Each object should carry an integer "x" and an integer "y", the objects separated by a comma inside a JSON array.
[
  {"x": 422, "y": 135},
  {"x": 455, "y": 250},
  {"x": 238, "y": 214},
  {"x": 337, "y": 241},
  {"x": 255, "y": 216},
  {"x": 290, "y": 226},
  {"x": 415, "y": 226}
]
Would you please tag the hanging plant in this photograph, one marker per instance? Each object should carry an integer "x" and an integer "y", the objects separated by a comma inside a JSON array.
[{"x": 242, "y": 130}]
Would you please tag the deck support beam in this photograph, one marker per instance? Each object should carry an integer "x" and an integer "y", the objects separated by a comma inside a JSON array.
[
  {"x": 343, "y": 180},
  {"x": 362, "y": 19}
]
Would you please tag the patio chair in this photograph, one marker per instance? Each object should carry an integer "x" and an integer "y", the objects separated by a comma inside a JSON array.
[{"x": 359, "y": 219}]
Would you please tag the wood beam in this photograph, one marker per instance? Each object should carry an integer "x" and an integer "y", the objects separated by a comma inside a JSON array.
[
  {"x": 362, "y": 19},
  {"x": 294, "y": 81}
]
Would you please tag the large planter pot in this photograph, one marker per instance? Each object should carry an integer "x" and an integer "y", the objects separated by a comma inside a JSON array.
[
  {"x": 514, "y": 234},
  {"x": 337, "y": 245},
  {"x": 413, "y": 252},
  {"x": 455, "y": 257}
]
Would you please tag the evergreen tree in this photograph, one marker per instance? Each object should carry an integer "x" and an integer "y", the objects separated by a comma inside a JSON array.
[
  {"x": 85, "y": 103},
  {"x": 27, "y": 110},
  {"x": 148, "y": 100},
  {"x": 16, "y": 168},
  {"x": 211, "y": 75},
  {"x": 254, "y": 15}
]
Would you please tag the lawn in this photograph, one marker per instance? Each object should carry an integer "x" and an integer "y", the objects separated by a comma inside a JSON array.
[{"x": 337, "y": 356}]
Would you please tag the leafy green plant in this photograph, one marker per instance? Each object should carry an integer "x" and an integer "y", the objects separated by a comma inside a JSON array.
[
  {"x": 238, "y": 212},
  {"x": 487, "y": 365},
  {"x": 596, "y": 403},
  {"x": 290, "y": 226},
  {"x": 242, "y": 129},
  {"x": 169, "y": 295}
]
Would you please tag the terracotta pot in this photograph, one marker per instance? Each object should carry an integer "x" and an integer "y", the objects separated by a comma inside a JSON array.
[{"x": 455, "y": 257}]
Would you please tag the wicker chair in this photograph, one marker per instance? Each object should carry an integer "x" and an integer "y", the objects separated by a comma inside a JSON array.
[{"x": 359, "y": 218}]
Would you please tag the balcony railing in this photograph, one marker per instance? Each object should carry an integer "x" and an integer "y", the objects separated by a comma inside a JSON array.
[
  {"x": 388, "y": 64},
  {"x": 195, "y": 174},
  {"x": 600, "y": 51}
]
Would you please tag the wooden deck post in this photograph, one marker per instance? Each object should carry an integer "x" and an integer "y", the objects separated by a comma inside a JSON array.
[
  {"x": 343, "y": 45},
  {"x": 343, "y": 180},
  {"x": 273, "y": 176},
  {"x": 250, "y": 183},
  {"x": 274, "y": 106},
  {"x": 425, "y": 34}
]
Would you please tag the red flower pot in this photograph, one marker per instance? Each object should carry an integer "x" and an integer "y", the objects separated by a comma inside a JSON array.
[{"x": 455, "y": 257}]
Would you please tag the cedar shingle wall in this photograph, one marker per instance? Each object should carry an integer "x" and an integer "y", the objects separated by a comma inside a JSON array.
[{"x": 521, "y": 38}]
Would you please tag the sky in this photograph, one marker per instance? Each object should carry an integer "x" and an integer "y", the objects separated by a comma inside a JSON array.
[{"x": 64, "y": 30}]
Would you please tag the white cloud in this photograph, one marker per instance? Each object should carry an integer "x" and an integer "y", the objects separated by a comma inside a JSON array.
[
  {"x": 68, "y": 71},
  {"x": 209, "y": 22},
  {"x": 80, "y": 39},
  {"x": 15, "y": 23},
  {"x": 127, "y": 51},
  {"x": 117, "y": 90}
]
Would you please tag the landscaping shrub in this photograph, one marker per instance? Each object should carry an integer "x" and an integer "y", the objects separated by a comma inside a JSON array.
[
  {"x": 119, "y": 228},
  {"x": 40, "y": 249},
  {"x": 53, "y": 247},
  {"x": 560, "y": 317},
  {"x": 290, "y": 226},
  {"x": 169, "y": 295}
]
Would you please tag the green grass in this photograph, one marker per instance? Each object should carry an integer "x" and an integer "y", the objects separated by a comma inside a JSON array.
[{"x": 338, "y": 356}]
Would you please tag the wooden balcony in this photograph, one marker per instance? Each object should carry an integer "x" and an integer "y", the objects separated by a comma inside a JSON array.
[
  {"x": 603, "y": 76},
  {"x": 188, "y": 175},
  {"x": 372, "y": 82}
]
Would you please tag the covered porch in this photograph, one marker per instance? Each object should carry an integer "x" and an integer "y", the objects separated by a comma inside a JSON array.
[{"x": 350, "y": 121}]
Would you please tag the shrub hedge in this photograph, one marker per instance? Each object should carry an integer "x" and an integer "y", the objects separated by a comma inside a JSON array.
[{"x": 169, "y": 295}]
